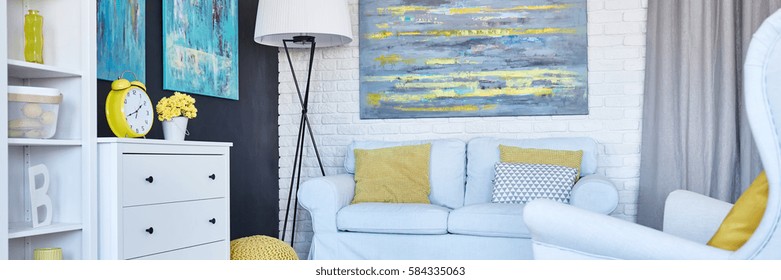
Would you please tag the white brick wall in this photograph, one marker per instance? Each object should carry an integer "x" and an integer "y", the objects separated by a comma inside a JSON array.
[{"x": 616, "y": 33}]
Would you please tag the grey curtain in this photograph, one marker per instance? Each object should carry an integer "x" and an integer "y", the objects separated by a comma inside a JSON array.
[{"x": 695, "y": 133}]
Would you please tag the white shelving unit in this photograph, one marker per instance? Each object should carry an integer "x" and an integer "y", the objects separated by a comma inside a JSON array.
[{"x": 71, "y": 155}]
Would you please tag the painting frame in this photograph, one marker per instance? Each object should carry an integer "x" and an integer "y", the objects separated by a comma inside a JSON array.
[
  {"x": 470, "y": 58},
  {"x": 201, "y": 47},
  {"x": 121, "y": 39}
]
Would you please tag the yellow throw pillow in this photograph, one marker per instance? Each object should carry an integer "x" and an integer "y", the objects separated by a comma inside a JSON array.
[
  {"x": 541, "y": 156},
  {"x": 744, "y": 218},
  {"x": 396, "y": 174}
]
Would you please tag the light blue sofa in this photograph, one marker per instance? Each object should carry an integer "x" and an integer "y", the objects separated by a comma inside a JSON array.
[{"x": 460, "y": 223}]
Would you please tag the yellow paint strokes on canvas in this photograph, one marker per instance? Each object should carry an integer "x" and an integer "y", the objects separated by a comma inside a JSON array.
[
  {"x": 499, "y": 32},
  {"x": 376, "y": 98},
  {"x": 392, "y": 59},
  {"x": 408, "y": 33},
  {"x": 441, "y": 61},
  {"x": 401, "y": 10},
  {"x": 484, "y": 9},
  {"x": 506, "y": 74},
  {"x": 470, "y": 85},
  {"x": 467, "y": 10},
  {"x": 380, "y": 35},
  {"x": 389, "y": 59},
  {"x": 383, "y": 25},
  {"x": 406, "y": 98},
  {"x": 459, "y": 108},
  {"x": 495, "y": 32},
  {"x": 513, "y": 74}
]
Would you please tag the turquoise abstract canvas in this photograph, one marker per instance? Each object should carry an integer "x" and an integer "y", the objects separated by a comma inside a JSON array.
[
  {"x": 121, "y": 39},
  {"x": 472, "y": 58},
  {"x": 201, "y": 47}
]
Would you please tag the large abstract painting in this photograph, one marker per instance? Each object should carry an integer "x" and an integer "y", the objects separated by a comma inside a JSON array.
[
  {"x": 201, "y": 47},
  {"x": 472, "y": 58},
  {"x": 121, "y": 39}
]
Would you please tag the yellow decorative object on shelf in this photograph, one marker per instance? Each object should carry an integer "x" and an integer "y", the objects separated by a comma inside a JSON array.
[
  {"x": 129, "y": 111},
  {"x": 174, "y": 111},
  {"x": 176, "y": 105},
  {"x": 47, "y": 254},
  {"x": 259, "y": 247},
  {"x": 33, "y": 37}
]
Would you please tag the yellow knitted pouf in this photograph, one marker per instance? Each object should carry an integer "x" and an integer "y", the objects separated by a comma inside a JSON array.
[{"x": 259, "y": 247}]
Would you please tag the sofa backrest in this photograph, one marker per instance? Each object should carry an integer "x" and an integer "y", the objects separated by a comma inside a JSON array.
[
  {"x": 447, "y": 167},
  {"x": 483, "y": 153}
]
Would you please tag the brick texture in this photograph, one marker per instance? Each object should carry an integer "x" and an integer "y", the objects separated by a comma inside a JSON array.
[{"x": 616, "y": 31}]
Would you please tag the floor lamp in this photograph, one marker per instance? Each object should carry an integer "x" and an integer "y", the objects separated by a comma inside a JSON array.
[{"x": 302, "y": 24}]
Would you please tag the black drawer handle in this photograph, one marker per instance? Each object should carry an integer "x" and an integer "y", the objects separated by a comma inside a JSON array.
[
  {"x": 150, "y": 179},
  {"x": 150, "y": 230},
  {"x": 213, "y": 221},
  {"x": 212, "y": 176}
]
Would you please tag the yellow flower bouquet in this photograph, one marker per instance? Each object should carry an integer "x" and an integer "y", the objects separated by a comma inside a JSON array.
[{"x": 177, "y": 105}]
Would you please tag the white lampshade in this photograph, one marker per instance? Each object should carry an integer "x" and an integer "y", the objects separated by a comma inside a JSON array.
[{"x": 326, "y": 20}]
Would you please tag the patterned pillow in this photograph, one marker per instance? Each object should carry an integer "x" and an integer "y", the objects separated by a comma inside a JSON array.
[{"x": 524, "y": 182}]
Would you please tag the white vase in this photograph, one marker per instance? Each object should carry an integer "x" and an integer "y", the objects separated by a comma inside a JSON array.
[{"x": 175, "y": 129}]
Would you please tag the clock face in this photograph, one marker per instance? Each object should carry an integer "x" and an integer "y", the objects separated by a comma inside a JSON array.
[{"x": 138, "y": 111}]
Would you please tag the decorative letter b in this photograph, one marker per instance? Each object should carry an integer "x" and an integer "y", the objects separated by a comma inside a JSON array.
[{"x": 39, "y": 196}]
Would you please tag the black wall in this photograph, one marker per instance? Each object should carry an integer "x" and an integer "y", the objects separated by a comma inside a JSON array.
[{"x": 250, "y": 123}]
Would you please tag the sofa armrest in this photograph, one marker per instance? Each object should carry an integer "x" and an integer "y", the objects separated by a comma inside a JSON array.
[
  {"x": 595, "y": 193},
  {"x": 693, "y": 216},
  {"x": 562, "y": 230},
  {"x": 324, "y": 196}
]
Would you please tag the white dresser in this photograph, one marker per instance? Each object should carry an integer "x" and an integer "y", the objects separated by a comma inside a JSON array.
[{"x": 163, "y": 200}]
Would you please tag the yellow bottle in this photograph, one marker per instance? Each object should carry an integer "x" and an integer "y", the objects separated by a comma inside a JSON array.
[{"x": 33, "y": 37}]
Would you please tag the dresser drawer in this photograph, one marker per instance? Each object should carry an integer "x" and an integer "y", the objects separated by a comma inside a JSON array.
[
  {"x": 212, "y": 251},
  {"x": 159, "y": 228},
  {"x": 150, "y": 179}
]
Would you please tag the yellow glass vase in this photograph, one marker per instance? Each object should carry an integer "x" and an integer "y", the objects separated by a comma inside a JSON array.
[{"x": 33, "y": 37}]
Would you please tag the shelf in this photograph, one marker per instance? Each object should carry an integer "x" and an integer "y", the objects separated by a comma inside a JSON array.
[
  {"x": 26, "y": 70},
  {"x": 25, "y": 230},
  {"x": 70, "y": 156},
  {"x": 42, "y": 142}
]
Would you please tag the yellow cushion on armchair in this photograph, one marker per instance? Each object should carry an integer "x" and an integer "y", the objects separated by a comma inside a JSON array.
[{"x": 744, "y": 218}]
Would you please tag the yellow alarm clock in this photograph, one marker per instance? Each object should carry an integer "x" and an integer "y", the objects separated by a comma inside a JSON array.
[{"x": 129, "y": 110}]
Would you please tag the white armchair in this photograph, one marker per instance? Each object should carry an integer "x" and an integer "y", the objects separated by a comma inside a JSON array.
[{"x": 563, "y": 232}]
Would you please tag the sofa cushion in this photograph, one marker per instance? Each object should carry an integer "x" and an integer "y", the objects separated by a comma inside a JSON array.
[
  {"x": 447, "y": 167},
  {"x": 541, "y": 156},
  {"x": 402, "y": 218},
  {"x": 489, "y": 219},
  {"x": 744, "y": 217},
  {"x": 483, "y": 154},
  {"x": 522, "y": 182},
  {"x": 393, "y": 175}
]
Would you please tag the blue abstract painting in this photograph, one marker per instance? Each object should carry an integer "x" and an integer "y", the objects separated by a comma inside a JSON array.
[
  {"x": 472, "y": 58},
  {"x": 121, "y": 39},
  {"x": 201, "y": 47}
]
